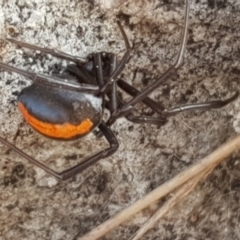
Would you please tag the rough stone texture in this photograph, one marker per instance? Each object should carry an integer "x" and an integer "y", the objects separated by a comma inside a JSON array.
[{"x": 34, "y": 205}]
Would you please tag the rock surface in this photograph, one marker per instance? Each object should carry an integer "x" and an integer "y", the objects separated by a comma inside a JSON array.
[{"x": 34, "y": 205}]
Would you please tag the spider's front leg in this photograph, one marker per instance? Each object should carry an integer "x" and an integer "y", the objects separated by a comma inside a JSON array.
[
  {"x": 54, "y": 52},
  {"x": 127, "y": 108}
]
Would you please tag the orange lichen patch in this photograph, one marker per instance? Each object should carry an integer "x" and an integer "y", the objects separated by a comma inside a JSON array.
[{"x": 61, "y": 131}]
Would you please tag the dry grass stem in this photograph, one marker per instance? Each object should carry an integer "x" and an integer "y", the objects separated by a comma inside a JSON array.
[
  {"x": 206, "y": 164},
  {"x": 178, "y": 196}
]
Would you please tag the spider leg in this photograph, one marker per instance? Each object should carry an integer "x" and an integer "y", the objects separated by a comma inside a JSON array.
[
  {"x": 97, "y": 60},
  {"x": 80, "y": 61},
  {"x": 51, "y": 80},
  {"x": 115, "y": 101},
  {"x": 124, "y": 110},
  {"x": 199, "y": 106},
  {"x": 56, "y": 53},
  {"x": 106, "y": 131},
  {"x": 156, "y": 106},
  {"x": 118, "y": 68},
  {"x": 81, "y": 74},
  {"x": 113, "y": 95}
]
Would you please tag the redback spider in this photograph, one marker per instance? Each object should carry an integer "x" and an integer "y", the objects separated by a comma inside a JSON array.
[{"x": 61, "y": 108}]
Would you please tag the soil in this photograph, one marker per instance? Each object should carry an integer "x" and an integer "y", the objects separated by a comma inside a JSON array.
[{"x": 34, "y": 205}]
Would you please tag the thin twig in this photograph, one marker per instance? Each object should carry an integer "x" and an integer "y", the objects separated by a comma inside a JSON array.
[
  {"x": 178, "y": 196},
  {"x": 212, "y": 159}
]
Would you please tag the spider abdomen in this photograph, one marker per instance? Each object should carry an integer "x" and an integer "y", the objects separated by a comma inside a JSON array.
[{"x": 59, "y": 113}]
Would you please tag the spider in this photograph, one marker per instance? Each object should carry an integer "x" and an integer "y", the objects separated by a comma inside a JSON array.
[{"x": 62, "y": 109}]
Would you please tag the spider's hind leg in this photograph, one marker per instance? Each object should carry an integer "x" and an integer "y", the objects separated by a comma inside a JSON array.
[
  {"x": 107, "y": 132},
  {"x": 66, "y": 174}
]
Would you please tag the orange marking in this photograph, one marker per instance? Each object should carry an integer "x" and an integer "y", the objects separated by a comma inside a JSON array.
[{"x": 65, "y": 130}]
